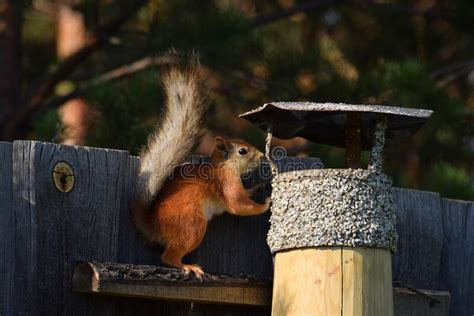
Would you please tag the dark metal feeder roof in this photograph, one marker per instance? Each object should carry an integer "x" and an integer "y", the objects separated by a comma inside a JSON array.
[{"x": 324, "y": 123}]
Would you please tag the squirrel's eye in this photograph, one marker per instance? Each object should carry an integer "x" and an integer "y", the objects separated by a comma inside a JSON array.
[{"x": 242, "y": 151}]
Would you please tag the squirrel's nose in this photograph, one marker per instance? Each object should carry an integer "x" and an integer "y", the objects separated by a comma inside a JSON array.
[{"x": 261, "y": 157}]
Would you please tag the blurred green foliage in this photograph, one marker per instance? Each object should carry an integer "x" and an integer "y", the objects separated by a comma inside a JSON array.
[
  {"x": 133, "y": 108},
  {"x": 377, "y": 54}
]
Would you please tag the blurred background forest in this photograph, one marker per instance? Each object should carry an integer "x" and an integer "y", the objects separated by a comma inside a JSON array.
[{"x": 87, "y": 72}]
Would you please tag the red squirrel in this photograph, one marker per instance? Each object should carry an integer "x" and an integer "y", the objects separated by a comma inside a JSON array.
[{"x": 174, "y": 211}]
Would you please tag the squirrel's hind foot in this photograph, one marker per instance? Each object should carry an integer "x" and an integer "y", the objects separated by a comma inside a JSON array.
[{"x": 197, "y": 270}]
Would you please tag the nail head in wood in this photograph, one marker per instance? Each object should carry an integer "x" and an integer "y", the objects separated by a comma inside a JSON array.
[{"x": 63, "y": 177}]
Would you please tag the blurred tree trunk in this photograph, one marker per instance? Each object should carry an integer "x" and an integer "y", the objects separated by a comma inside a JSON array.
[
  {"x": 10, "y": 62},
  {"x": 16, "y": 116},
  {"x": 71, "y": 37}
]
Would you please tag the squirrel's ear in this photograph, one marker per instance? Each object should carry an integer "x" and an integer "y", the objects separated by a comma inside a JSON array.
[{"x": 220, "y": 143}]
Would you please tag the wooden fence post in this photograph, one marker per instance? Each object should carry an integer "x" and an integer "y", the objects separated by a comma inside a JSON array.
[
  {"x": 332, "y": 231},
  {"x": 333, "y": 281}
]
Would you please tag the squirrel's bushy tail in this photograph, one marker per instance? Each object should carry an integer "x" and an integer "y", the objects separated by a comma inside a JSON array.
[{"x": 174, "y": 139}]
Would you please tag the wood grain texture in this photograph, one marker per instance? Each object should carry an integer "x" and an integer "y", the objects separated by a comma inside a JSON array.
[
  {"x": 367, "y": 282},
  {"x": 51, "y": 230},
  {"x": 133, "y": 248},
  {"x": 78, "y": 225},
  {"x": 234, "y": 245},
  {"x": 432, "y": 303},
  {"x": 308, "y": 282},
  {"x": 24, "y": 290},
  {"x": 312, "y": 282},
  {"x": 420, "y": 231},
  {"x": 157, "y": 283},
  {"x": 6, "y": 227},
  {"x": 333, "y": 281},
  {"x": 457, "y": 261},
  {"x": 83, "y": 224},
  {"x": 169, "y": 284}
]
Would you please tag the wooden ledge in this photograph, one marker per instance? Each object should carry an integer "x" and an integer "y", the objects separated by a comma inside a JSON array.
[
  {"x": 169, "y": 284},
  {"x": 161, "y": 283}
]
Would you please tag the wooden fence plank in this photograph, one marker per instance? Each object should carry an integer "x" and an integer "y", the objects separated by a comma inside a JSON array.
[
  {"x": 6, "y": 227},
  {"x": 23, "y": 297},
  {"x": 457, "y": 261},
  {"x": 420, "y": 231},
  {"x": 133, "y": 249},
  {"x": 79, "y": 225},
  {"x": 431, "y": 303},
  {"x": 235, "y": 245}
]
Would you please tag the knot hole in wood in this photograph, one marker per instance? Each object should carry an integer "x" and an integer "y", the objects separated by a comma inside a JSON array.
[{"x": 63, "y": 177}]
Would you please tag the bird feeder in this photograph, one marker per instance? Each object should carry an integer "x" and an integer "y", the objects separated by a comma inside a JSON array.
[{"x": 333, "y": 230}]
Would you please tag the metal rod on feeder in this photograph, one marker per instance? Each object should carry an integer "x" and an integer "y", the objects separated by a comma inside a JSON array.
[{"x": 268, "y": 153}]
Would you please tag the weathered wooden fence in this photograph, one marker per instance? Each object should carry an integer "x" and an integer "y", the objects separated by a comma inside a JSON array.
[{"x": 43, "y": 232}]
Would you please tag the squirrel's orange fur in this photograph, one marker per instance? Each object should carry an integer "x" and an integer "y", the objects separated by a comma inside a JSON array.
[{"x": 174, "y": 211}]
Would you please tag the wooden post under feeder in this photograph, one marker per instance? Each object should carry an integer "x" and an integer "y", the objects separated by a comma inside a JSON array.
[{"x": 333, "y": 230}]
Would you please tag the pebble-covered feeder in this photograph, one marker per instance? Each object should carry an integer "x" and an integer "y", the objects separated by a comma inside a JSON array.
[{"x": 333, "y": 230}]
